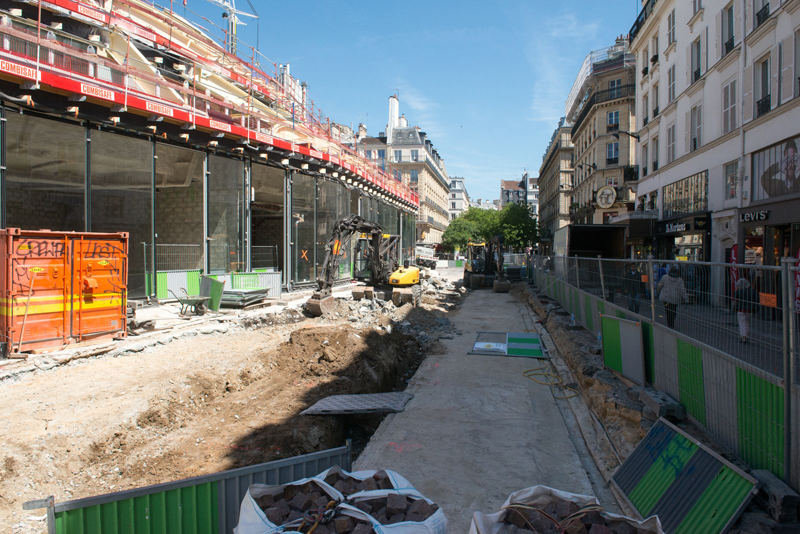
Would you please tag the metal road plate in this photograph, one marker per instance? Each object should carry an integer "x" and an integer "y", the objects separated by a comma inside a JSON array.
[
  {"x": 352, "y": 404},
  {"x": 515, "y": 344}
]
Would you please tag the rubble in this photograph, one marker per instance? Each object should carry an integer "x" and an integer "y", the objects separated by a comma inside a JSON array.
[{"x": 396, "y": 508}]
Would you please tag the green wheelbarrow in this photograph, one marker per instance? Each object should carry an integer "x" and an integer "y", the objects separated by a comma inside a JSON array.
[{"x": 197, "y": 305}]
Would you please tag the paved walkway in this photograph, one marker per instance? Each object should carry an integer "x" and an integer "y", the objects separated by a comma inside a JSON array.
[{"x": 477, "y": 430}]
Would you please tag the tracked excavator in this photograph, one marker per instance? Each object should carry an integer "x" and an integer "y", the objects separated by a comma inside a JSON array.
[
  {"x": 484, "y": 266},
  {"x": 378, "y": 252}
]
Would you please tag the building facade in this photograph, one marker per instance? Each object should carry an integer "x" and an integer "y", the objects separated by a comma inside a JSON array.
[
  {"x": 533, "y": 195},
  {"x": 718, "y": 156},
  {"x": 407, "y": 155},
  {"x": 485, "y": 204},
  {"x": 459, "y": 198},
  {"x": 601, "y": 107},
  {"x": 514, "y": 192},
  {"x": 211, "y": 165},
  {"x": 556, "y": 177}
]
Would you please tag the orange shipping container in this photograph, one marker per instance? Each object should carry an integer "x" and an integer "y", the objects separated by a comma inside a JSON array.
[{"x": 57, "y": 288}]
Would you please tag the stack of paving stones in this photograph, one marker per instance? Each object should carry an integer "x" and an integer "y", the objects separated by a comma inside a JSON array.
[
  {"x": 307, "y": 500},
  {"x": 522, "y": 520}
]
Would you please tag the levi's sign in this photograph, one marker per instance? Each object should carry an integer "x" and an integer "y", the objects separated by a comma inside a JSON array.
[
  {"x": 675, "y": 227},
  {"x": 159, "y": 108},
  {"x": 97, "y": 92},
  {"x": 762, "y": 215},
  {"x": 17, "y": 70}
]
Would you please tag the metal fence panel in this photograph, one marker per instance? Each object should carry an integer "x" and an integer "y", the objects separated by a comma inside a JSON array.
[{"x": 206, "y": 504}]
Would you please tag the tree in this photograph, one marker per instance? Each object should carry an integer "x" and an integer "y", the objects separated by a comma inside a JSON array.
[
  {"x": 517, "y": 226},
  {"x": 475, "y": 224}
]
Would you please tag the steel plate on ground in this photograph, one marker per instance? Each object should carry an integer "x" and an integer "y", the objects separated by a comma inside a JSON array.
[
  {"x": 517, "y": 344},
  {"x": 352, "y": 404}
]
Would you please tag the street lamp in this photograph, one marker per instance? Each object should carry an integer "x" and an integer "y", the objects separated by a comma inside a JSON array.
[
  {"x": 616, "y": 134},
  {"x": 588, "y": 165}
]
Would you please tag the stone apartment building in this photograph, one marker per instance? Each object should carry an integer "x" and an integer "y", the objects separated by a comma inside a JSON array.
[
  {"x": 533, "y": 195},
  {"x": 718, "y": 156},
  {"x": 514, "y": 192},
  {"x": 601, "y": 106},
  {"x": 459, "y": 198},
  {"x": 555, "y": 184},
  {"x": 406, "y": 153}
]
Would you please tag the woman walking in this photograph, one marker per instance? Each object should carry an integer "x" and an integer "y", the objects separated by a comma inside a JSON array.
[
  {"x": 672, "y": 292},
  {"x": 745, "y": 302}
]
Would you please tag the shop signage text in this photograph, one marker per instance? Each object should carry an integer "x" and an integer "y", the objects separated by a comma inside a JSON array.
[
  {"x": 762, "y": 215},
  {"x": 675, "y": 227}
]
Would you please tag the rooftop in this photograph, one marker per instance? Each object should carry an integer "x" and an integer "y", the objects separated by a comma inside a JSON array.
[{"x": 513, "y": 185}]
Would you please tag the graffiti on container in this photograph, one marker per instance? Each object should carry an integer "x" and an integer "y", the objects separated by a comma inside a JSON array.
[
  {"x": 103, "y": 250},
  {"x": 40, "y": 248}
]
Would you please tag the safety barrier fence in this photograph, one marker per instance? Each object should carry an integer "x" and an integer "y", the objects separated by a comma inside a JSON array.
[
  {"x": 719, "y": 338},
  {"x": 207, "y": 504}
]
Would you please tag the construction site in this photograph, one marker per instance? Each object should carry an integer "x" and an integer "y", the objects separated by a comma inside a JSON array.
[{"x": 222, "y": 315}]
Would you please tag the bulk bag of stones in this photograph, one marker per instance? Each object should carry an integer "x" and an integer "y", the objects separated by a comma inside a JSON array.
[
  {"x": 340, "y": 502},
  {"x": 548, "y": 511}
]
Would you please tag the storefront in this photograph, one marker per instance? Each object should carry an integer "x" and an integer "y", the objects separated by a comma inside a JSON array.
[
  {"x": 684, "y": 239},
  {"x": 639, "y": 238}
]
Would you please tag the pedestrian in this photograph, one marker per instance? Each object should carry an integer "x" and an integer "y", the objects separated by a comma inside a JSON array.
[
  {"x": 633, "y": 288},
  {"x": 672, "y": 292},
  {"x": 745, "y": 302},
  {"x": 660, "y": 271}
]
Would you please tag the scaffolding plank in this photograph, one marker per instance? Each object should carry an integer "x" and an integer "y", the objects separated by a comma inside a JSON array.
[{"x": 394, "y": 402}]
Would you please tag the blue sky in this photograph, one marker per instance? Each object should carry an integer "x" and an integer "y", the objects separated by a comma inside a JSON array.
[{"x": 486, "y": 80}]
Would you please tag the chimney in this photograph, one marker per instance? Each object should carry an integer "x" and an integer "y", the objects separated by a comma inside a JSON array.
[
  {"x": 362, "y": 131},
  {"x": 394, "y": 111}
]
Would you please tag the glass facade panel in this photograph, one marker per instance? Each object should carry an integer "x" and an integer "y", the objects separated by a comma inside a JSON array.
[
  {"x": 122, "y": 198},
  {"x": 226, "y": 214},
  {"x": 266, "y": 216},
  {"x": 179, "y": 208},
  {"x": 686, "y": 196},
  {"x": 776, "y": 170},
  {"x": 45, "y": 175},
  {"x": 303, "y": 225},
  {"x": 327, "y": 215}
]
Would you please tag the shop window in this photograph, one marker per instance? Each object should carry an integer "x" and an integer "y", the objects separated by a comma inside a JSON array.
[
  {"x": 754, "y": 245},
  {"x": 122, "y": 199},
  {"x": 304, "y": 190},
  {"x": 686, "y": 196},
  {"x": 731, "y": 179},
  {"x": 776, "y": 170},
  {"x": 45, "y": 174},
  {"x": 226, "y": 214},
  {"x": 327, "y": 215},
  {"x": 266, "y": 218}
]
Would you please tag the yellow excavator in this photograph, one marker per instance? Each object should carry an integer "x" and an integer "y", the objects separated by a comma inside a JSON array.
[{"x": 378, "y": 252}]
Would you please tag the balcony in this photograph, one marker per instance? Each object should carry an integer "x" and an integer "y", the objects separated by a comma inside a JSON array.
[
  {"x": 612, "y": 128},
  {"x": 599, "y": 97},
  {"x": 695, "y": 143},
  {"x": 408, "y": 159},
  {"x": 762, "y": 15},
  {"x": 654, "y": 59},
  {"x": 764, "y": 105},
  {"x": 645, "y": 71},
  {"x": 728, "y": 46},
  {"x": 644, "y": 14},
  {"x": 655, "y": 165},
  {"x": 655, "y": 112},
  {"x": 631, "y": 173},
  {"x": 644, "y": 172},
  {"x": 645, "y": 121},
  {"x": 696, "y": 75},
  {"x": 612, "y": 161}
]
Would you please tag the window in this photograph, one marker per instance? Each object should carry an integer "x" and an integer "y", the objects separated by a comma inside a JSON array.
[
  {"x": 671, "y": 84},
  {"x": 613, "y": 121},
  {"x": 453, "y": 205},
  {"x": 415, "y": 155},
  {"x": 398, "y": 155},
  {"x": 763, "y": 103},
  {"x": 697, "y": 5},
  {"x": 731, "y": 175},
  {"x": 697, "y": 51},
  {"x": 761, "y": 9},
  {"x": 644, "y": 160},
  {"x": 697, "y": 127},
  {"x": 729, "y": 107},
  {"x": 654, "y": 58},
  {"x": 775, "y": 170},
  {"x": 225, "y": 215},
  {"x": 686, "y": 196},
  {"x": 655, "y": 100},
  {"x": 615, "y": 88},
  {"x": 368, "y": 154},
  {"x": 413, "y": 176},
  {"x": 671, "y": 28},
  {"x": 645, "y": 107},
  {"x": 612, "y": 153},
  {"x": 727, "y": 29},
  {"x": 671, "y": 143},
  {"x": 381, "y": 155}
]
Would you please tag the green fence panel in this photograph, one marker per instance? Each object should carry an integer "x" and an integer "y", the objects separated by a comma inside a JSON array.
[
  {"x": 760, "y": 417},
  {"x": 691, "y": 385},
  {"x": 191, "y": 510},
  {"x": 193, "y": 282},
  {"x": 459, "y": 263},
  {"x": 161, "y": 286},
  {"x": 612, "y": 344},
  {"x": 588, "y": 313},
  {"x": 214, "y": 291}
]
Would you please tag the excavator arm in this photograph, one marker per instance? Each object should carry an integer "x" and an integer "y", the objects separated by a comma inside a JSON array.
[{"x": 321, "y": 300}]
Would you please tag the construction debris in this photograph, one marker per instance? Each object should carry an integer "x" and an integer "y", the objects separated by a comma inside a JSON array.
[{"x": 774, "y": 496}]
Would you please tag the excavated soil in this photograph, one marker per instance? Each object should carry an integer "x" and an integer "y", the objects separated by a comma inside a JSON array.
[{"x": 196, "y": 406}]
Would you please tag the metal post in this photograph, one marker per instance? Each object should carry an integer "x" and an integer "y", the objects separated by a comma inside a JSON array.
[
  {"x": 602, "y": 278},
  {"x": 577, "y": 274},
  {"x": 652, "y": 281},
  {"x": 788, "y": 354}
]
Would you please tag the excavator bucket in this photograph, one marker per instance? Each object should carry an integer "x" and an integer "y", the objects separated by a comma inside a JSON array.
[
  {"x": 320, "y": 306},
  {"x": 501, "y": 285}
]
